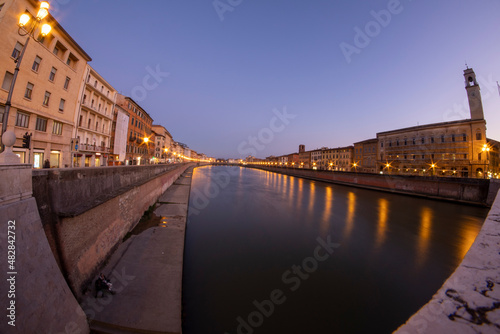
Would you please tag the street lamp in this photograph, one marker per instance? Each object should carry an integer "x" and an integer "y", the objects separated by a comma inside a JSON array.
[
  {"x": 486, "y": 149},
  {"x": 25, "y": 30}
]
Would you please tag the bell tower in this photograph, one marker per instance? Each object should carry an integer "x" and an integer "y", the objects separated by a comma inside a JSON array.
[{"x": 473, "y": 94}]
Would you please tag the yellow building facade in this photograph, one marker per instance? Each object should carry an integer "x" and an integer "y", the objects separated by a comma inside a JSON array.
[
  {"x": 46, "y": 91},
  {"x": 456, "y": 148}
]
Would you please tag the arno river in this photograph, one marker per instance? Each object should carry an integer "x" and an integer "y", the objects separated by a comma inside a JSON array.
[{"x": 269, "y": 253}]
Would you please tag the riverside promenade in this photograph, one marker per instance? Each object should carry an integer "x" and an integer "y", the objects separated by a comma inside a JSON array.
[{"x": 146, "y": 272}]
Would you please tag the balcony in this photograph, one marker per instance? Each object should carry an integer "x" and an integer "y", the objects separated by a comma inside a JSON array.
[{"x": 94, "y": 148}]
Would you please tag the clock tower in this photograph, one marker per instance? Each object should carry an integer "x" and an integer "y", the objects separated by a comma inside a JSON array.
[{"x": 473, "y": 94}]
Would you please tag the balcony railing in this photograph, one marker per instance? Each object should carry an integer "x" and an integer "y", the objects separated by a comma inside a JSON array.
[{"x": 95, "y": 148}]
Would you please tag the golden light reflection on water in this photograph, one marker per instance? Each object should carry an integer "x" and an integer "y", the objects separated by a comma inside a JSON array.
[
  {"x": 468, "y": 234},
  {"x": 312, "y": 189},
  {"x": 291, "y": 190},
  {"x": 424, "y": 235},
  {"x": 351, "y": 210},
  {"x": 325, "y": 223},
  {"x": 300, "y": 193},
  {"x": 383, "y": 214}
]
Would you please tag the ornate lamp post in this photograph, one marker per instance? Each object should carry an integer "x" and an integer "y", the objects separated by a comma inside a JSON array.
[{"x": 24, "y": 30}]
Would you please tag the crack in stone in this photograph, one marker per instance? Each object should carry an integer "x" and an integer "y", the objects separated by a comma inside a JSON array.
[{"x": 476, "y": 316}]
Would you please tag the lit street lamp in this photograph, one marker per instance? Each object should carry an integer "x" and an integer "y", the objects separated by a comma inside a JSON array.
[
  {"x": 25, "y": 30},
  {"x": 486, "y": 149}
]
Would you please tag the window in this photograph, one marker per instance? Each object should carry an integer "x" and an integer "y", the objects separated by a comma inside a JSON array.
[
  {"x": 29, "y": 91},
  {"x": 423, "y": 140},
  {"x": 479, "y": 136},
  {"x": 464, "y": 137},
  {"x": 52, "y": 74},
  {"x": 17, "y": 50},
  {"x": 442, "y": 138},
  {"x": 22, "y": 119},
  {"x": 41, "y": 124},
  {"x": 2, "y": 112},
  {"x": 432, "y": 140},
  {"x": 57, "y": 128},
  {"x": 56, "y": 50},
  {"x": 66, "y": 83},
  {"x": 36, "y": 64},
  {"x": 61, "y": 105},
  {"x": 452, "y": 137},
  {"x": 46, "y": 99},
  {"x": 7, "y": 80}
]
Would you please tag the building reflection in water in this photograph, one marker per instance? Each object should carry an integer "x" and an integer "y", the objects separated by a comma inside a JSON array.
[
  {"x": 424, "y": 235},
  {"x": 383, "y": 214}
]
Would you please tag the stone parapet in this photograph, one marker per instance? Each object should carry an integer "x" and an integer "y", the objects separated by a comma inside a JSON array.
[
  {"x": 469, "y": 301},
  {"x": 16, "y": 183}
]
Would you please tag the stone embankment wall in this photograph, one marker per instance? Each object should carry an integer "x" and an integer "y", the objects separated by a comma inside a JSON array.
[
  {"x": 33, "y": 293},
  {"x": 86, "y": 212},
  {"x": 468, "y": 302},
  {"x": 473, "y": 191}
]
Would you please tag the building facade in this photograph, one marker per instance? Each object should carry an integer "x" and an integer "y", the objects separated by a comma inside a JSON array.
[
  {"x": 365, "y": 156},
  {"x": 163, "y": 140},
  {"x": 46, "y": 91},
  {"x": 140, "y": 144},
  {"x": 454, "y": 149},
  {"x": 94, "y": 120},
  {"x": 119, "y": 132}
]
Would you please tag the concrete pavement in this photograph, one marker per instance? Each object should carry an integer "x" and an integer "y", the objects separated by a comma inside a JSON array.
[{"x": 146, "y": 272}]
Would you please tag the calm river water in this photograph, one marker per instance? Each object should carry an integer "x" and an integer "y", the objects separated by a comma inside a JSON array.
[{"x": 270, "y": 253}]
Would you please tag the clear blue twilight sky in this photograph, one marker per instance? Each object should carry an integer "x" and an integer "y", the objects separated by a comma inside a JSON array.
[{"x": 341, "y": 70}]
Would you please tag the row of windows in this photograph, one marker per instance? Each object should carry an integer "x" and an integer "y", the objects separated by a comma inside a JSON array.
[
  {"x": 28, "y": 92},
  {"x": 137, "y": 150},
  {"x": 443, "y": 156},
  {"x": 23, "y": 120},
  {"x": 365, "y": 149},
  {"x": 92, "y": 104},
  {"x": 138, "y": 123},
  {"x": 35, "y": 67},
  {"x": 139, "y": 113},
  {"x": 432, "y": 140},
  {"x": 89, "y": 124},
  {"x": 95, "y": 85}
]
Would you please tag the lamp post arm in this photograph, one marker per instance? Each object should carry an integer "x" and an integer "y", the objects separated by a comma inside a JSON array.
[{"x": 11, "y": 89}]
